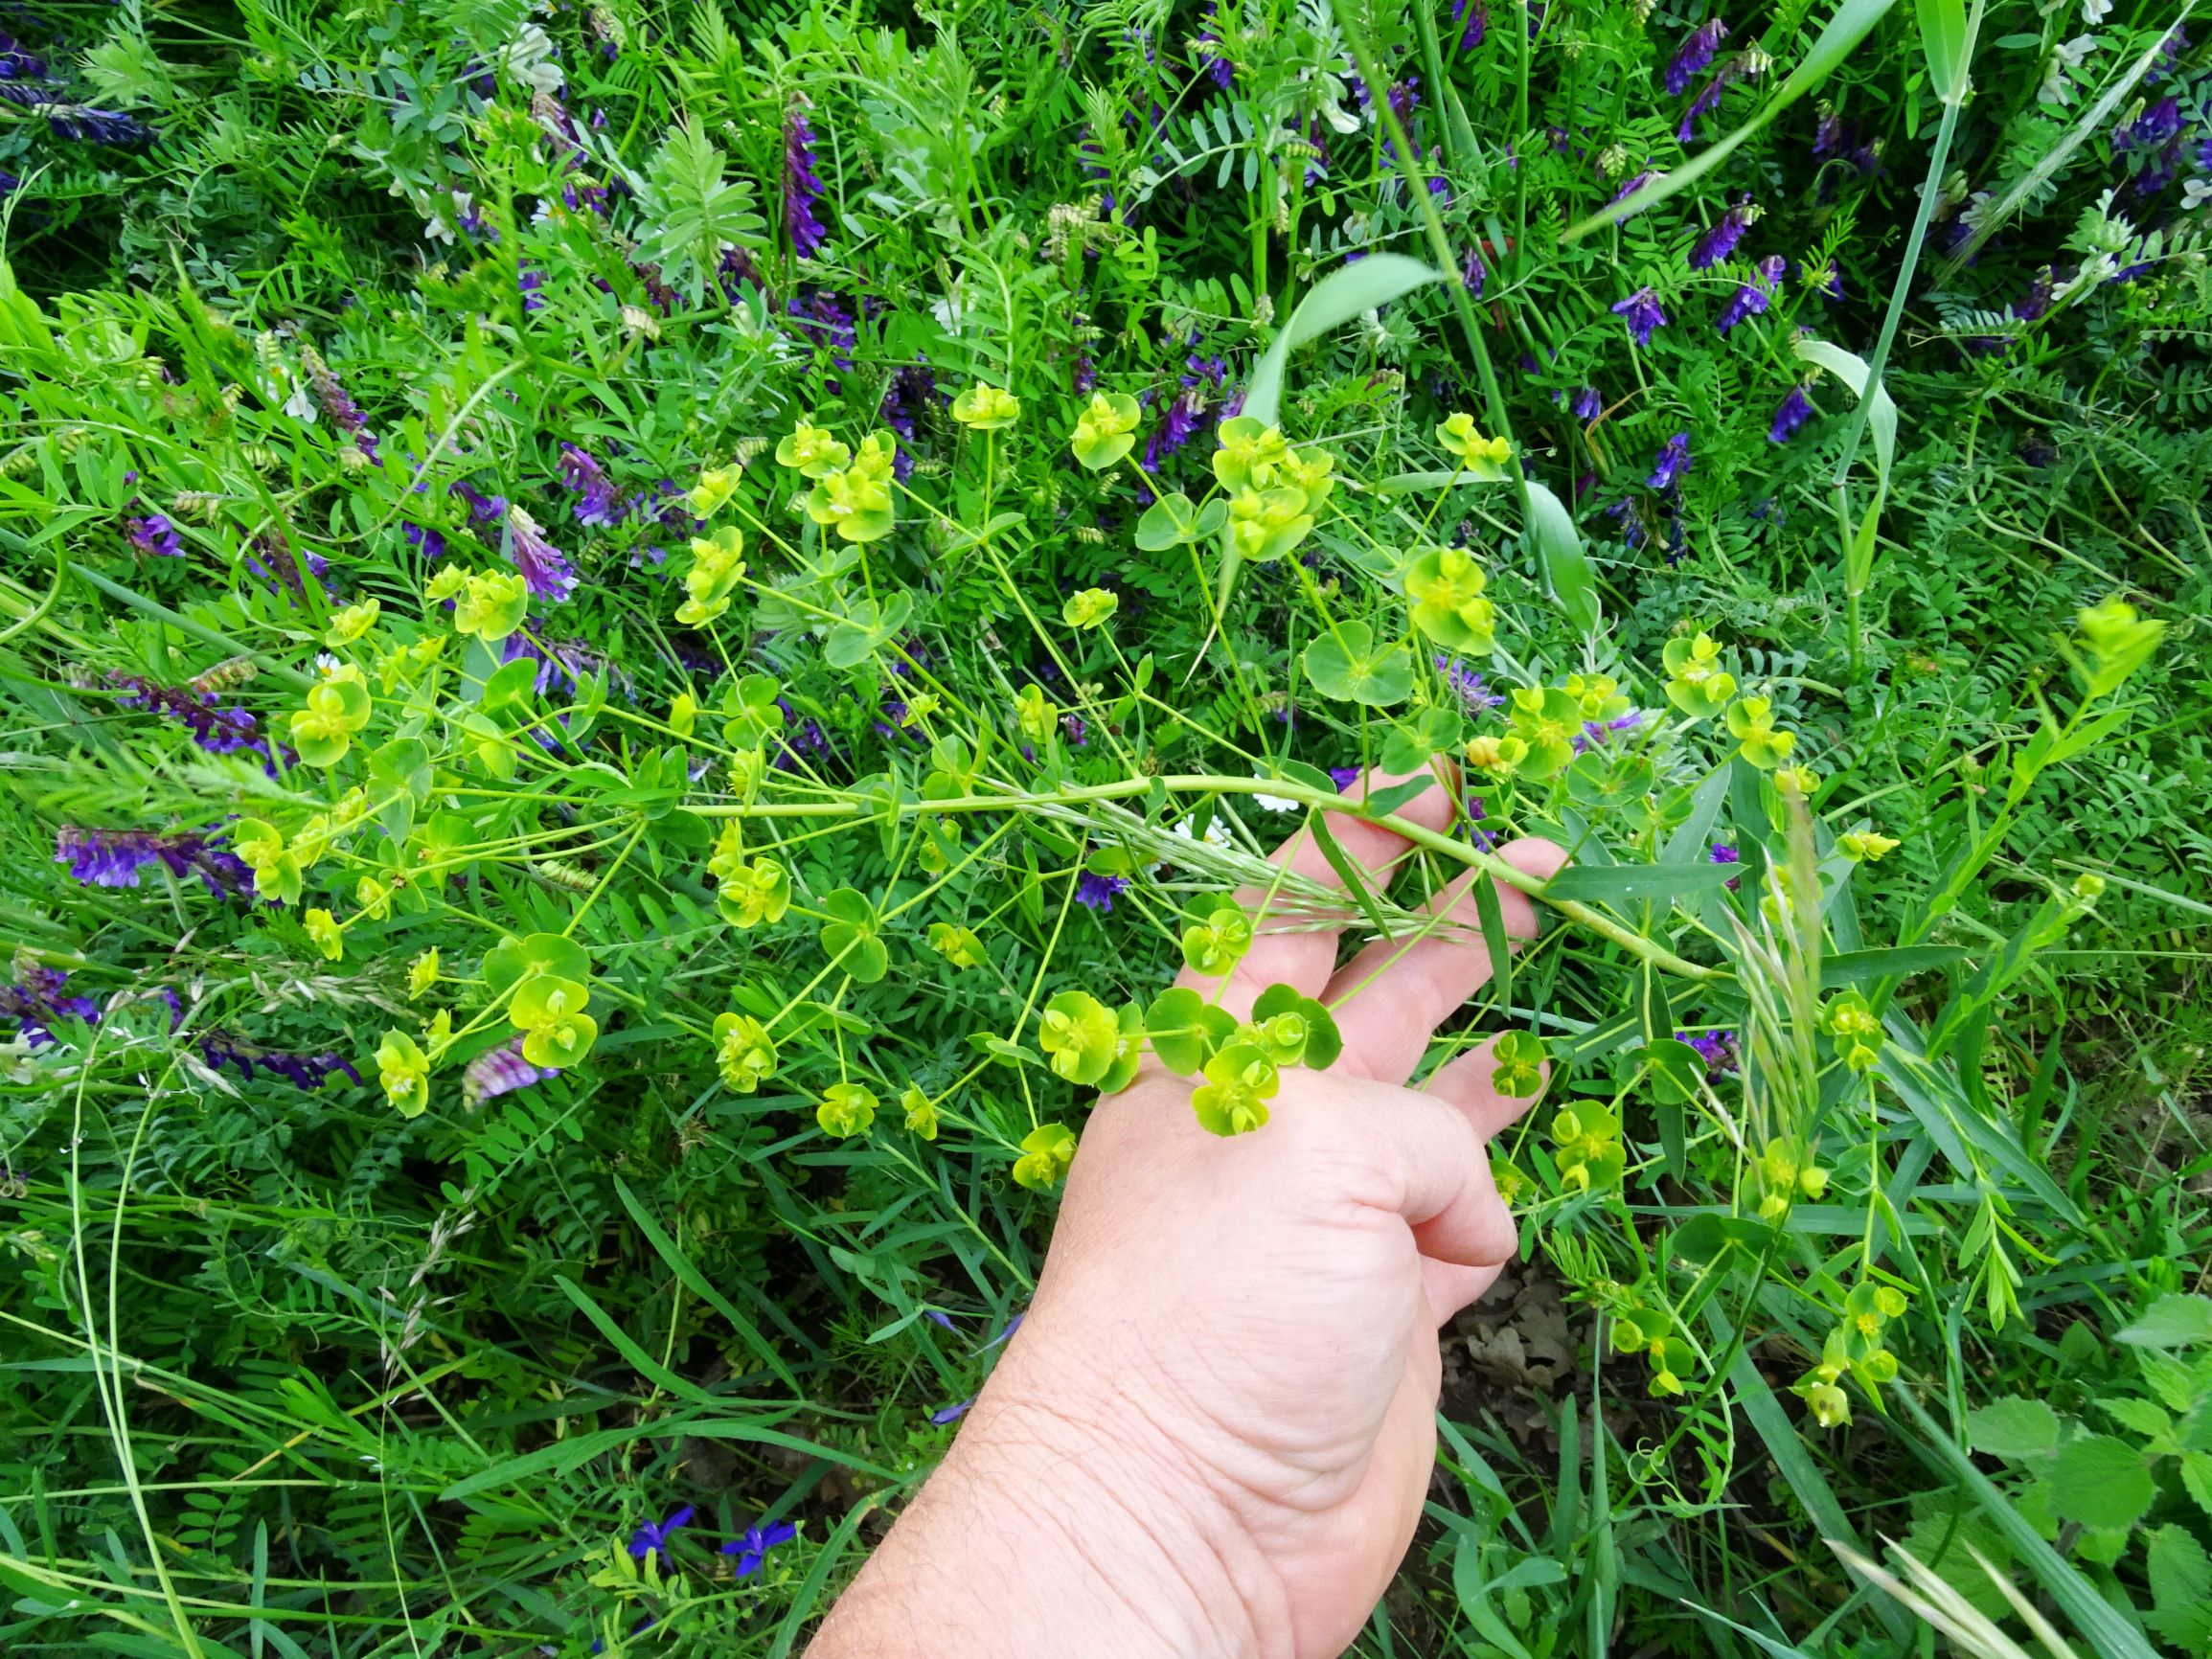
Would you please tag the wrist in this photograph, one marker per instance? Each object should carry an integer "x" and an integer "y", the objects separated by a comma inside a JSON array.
[{"x": 1048, "y": 1532}]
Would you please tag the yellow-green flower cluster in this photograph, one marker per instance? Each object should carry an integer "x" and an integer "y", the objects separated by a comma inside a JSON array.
[
  {"x": 1046, "y": 1152},
  {"x": 1588, "y": 1151},
  {"x": 1788, "y": 1172},
  {"x": 1857, "y": 1030},
  {"x": 1856, "y": 1346},
  {"x": 718, "y": 565}
]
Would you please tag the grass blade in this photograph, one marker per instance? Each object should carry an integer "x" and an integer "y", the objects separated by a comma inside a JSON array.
[{"x": 703, "y": 1287}]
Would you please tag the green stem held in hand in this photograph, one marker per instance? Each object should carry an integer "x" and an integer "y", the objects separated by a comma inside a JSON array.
[{"x": 1307, "y": 795}]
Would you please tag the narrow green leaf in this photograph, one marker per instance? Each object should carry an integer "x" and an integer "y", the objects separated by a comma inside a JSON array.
[
  {"x": 1496, "y": 940},
  {"x": 703, "y": 1287},
  {"x": 1881, "y": 415},
  {"x": 640, "y": 1361},
  {"x": 1943, "y": 36},
  {"x": 1337, "y": 298},
  {"x": 579, "y": 1450},
  {"x": 1991, "y": 219},
  {"x": 1857, "y": 967},
  {"x": 1348, "y": 871},
  {"x": 1559, "y": 549},
  {"x": 1622, "y": 883}
]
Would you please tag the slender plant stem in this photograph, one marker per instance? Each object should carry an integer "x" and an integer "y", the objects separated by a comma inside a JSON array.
[{"x": 1185, "y": 783}]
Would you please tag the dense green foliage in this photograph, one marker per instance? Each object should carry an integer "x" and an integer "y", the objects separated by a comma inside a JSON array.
[{"x": 604, "y": 814}]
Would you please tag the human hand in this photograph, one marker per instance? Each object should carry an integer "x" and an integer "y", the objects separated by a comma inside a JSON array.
[{"x": 1214, "y": 1430}]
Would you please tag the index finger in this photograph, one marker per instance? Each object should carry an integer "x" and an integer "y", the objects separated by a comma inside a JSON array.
[{"x": 1306, "y": 958}]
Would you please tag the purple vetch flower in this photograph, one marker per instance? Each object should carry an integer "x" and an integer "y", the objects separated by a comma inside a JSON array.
[
  {"x": 1466, "y": 685},
  {"x": 908, "y": 393},
  {"x": 543, "y": 565},
  {"x": 90, "y": 126},
  {"x": 528, "y": 280},
  {"x": 601, "y": 503},
  {"x": 430, "y": 543},
  {"x": 802, "y": 188},
  {"x": 1343, "y": 776},
  {"x": 752, "y": 1546},
  {"x": 651, "y": 1535},
  {"x": 1405, "y": 98},
  {"x": 306, "y": 1072},
  {"x": 951, "y": 1413},
  {"x": 937, "y": 1316},
  {"x": 1595, "y": 732},
  {"x": 1078, "y": 732},
  {"x": 1641, "y": 311},
  {"x": 116, "y": 858},
  {"x": 2036, "y": 301},
  {"x": 1724, "y": 853},
  {"x": 501, "y": 1071},
  {"x": 1475, "y": 17},
  {"x": 1794, "y": 411},
  {"x": 1629, "y": 188},
  {"x": 217, "y": 730},
  {"x": 825, "y": 320},
  {"x": 1692, "y": 55},
  {"x": 154, "y": 537},
  {"x": 484, "y": 511},
  {"x": 1588, "y": 405},
  {"x": 1718, "y": 242},
  {"x": 1219, "y": 68},
  {"x": 36, "y": 1001},
  {"x": 19, "y": 64},
  {"x": 1095, "y": 892},
  {"x": 1716, "y": 1048},
  {"x": 338, "y": 403},
  {"x": 1473, "y": 274},
  {"x": 1707, "y": 100},
  {"x": 1749, "y": 300},
  {"x": 282, "y": 569},
  {"x": 1673, "y": 462},
  {"x": 2151, "y": 129},
  {"x": 1007, "y": 1335}
]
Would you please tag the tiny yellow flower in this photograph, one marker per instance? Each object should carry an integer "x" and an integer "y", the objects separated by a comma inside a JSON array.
[
  {"x": 921, "y": 1114},
  {"x": 713, "y": 490},
  {"x": 1090, "y": 607},
  {"x": 422, "y": 973},
  {"x": 352, "y": 623},
  {"x": 1865, "y": 847},
  {"x": 847, "y": 1109},
  {"x": 374, "y": 897},
  {"x": 986, "y": 408},
  {"x": 328, "y": 938},
  {"x": 404, "y": 1071}
]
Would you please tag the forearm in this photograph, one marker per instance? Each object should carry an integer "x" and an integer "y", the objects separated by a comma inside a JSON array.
[{"x": 1042, "y": 1538}]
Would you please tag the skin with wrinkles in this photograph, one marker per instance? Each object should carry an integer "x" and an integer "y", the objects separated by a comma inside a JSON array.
[{"x": 1213, "y": 1433}]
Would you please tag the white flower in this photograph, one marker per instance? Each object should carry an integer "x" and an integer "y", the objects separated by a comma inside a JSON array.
[
  {"x": 1272, "y": 803},
  {"x": 2068, "y": 54},
  {"x": 529, "y": 60},
  {"x": 1217, "y": 835},
  {"x": 2094, "y": 12},
  {"x": 2196, "y": 193},
  {"x": 299, "y": 406},
  {"x": 435, "y": 226}
]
